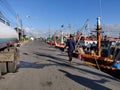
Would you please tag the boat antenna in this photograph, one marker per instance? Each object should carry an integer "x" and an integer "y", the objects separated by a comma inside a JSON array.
[{"x": 100, "y": 7}]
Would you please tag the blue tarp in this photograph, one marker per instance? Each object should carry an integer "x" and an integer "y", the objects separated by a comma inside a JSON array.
[{"x": 116, "y": 65}]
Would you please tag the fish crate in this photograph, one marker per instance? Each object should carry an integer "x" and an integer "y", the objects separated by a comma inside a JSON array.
[{"x": 9, "y": 60}]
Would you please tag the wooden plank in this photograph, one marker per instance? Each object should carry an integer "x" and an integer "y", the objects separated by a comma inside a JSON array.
[
  {"x": 7, "y": 56},
  {"x": 102, "y": 66},
  {"x": 97, "y": 58}
]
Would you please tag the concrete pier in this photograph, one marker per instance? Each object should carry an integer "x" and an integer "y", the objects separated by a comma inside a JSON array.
[{"x": 42, "y": 67}]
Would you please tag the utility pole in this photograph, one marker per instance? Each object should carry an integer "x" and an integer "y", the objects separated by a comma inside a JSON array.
[
  {"x": 49, "y": 31},
  {"x": 62, "y": 26},
  {"x": 21, "y": 24},
  {"x": 17, "y": 18},
  {"x": 119, "y": 35},
  {"x": 22, "y": 31},
  {"x": 17, "y": 21}
]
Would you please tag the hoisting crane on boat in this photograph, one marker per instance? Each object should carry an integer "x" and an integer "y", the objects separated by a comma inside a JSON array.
[{"x": 85, "y": 27}]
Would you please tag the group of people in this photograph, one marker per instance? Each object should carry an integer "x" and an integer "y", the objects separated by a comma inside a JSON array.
[{"x": 71, "y": 48}]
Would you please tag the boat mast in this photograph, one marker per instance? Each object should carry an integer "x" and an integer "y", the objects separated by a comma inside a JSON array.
[
  {"x": 98, "y": 37},
  {"x": 62, "y": 26}
]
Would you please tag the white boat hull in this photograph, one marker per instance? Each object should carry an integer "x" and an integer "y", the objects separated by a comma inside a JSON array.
[{"x": 7, "y": 34}]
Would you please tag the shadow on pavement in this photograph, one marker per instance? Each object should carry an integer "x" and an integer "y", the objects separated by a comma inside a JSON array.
[
  {"x": 50, "y": 56},
  {"x": 64, "y": 62},
  {"x": 47, "y": 49},
  {"x": 84, "y": 71},
  {"x": 24, "y": 64},
  {"x": 92, "y": 84}
]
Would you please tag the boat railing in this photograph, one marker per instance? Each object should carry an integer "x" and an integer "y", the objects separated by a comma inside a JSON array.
[{"x": 5, "y": 21}]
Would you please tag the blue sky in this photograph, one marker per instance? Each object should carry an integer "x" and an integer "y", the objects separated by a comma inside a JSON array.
[{"x": 45, "y": 14}]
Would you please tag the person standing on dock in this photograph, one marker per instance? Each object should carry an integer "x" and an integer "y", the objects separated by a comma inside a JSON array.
[{"x": 71, "y": 47}]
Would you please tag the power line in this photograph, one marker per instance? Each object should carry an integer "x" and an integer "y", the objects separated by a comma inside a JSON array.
[
  {"x": 6, "y": 12},
  {"x": 9, "y": 12},
  {"x": 8, "y": 7},
  {"x": 112, "y": 31}
]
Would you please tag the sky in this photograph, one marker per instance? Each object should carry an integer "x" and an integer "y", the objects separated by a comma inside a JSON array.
[{"x": 44, "y": 15}]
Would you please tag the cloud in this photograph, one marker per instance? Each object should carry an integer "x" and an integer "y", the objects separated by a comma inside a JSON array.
[
  {"x": 112, "y": 30},
  {"x": 31, "y": 32}
]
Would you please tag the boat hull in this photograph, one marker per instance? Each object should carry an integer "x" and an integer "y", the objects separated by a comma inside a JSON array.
[{"x": 7, "y": 34}]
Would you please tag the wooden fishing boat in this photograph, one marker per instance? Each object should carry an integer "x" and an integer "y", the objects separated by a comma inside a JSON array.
[{"x": 105, "y": 58}]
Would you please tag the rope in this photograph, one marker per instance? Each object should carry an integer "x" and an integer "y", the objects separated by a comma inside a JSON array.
[{"x": 97, "y": 63}]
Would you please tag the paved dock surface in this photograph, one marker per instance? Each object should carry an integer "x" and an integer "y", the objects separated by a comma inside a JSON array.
[{"x": 42, "y": 67}]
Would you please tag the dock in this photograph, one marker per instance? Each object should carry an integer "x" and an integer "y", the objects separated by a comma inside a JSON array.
[{"x": 44, "y": 67}]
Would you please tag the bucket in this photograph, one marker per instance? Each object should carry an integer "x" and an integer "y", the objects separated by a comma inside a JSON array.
[{"x": 79, "y": 57}]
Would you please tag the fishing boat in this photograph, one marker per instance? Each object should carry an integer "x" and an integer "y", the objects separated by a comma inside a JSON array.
[
  {"x": 107, "y": 55},
  {"x": 7, "y": 33}
]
